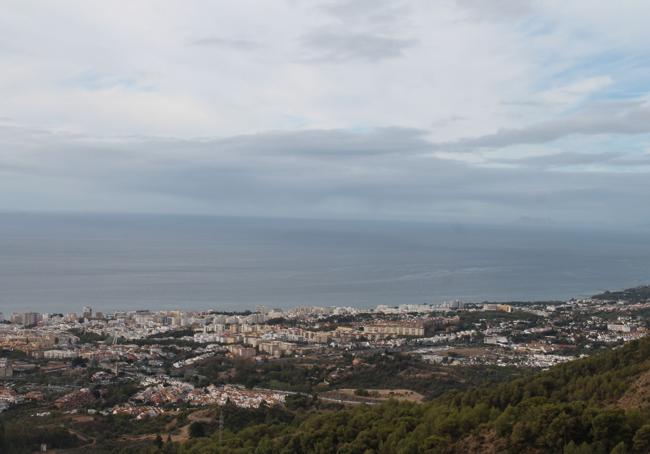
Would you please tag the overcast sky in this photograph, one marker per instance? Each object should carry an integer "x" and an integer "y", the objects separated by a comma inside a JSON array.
[{"x": 499, "y": 111}]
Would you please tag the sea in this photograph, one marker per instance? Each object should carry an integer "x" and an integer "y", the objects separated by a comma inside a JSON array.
[{"x": 62, "y": 262}]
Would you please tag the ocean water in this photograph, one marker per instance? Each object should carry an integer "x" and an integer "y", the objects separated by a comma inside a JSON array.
[{"x": 59, "y": 263}]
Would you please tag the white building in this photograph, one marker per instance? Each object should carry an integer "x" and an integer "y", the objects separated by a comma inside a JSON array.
[{"x": 59, "y": 354}]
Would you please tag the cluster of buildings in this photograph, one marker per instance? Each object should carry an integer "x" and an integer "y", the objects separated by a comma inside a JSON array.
[
  {"x": 6, "y": 368},
  {"x": 36, "y": 338},
  {"x": 157, "y": 349},
  {"x": 162, "y": 391},
  {"x": 538, "y": 335},
  {"x": 76, "y": 399},
  {"x": 276, "y": 333},
  {"x": 279, "y": 338},
  {"x": 8, "y": 397}
]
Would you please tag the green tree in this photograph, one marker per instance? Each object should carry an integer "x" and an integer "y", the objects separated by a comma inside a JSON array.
[
  {"x": 572, "y": 448},
  {"x": 158, "y": 442},
  {"x": 2, "y": 436},
  {"x": 620, "y": 448},
  {"x": 641, "y": 440},
  {"x": 610, "y": 427},
  {"x": 197, "y": 430}
]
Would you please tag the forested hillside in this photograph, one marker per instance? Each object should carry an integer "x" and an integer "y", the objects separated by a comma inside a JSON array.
[
  {"x": 635, "y": 295},
  {"x": 594, "y": 405}
]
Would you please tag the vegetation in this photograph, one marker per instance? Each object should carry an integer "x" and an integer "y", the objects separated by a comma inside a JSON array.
[
  {"x": 633, "y": 295},
  {"x": 18, "y": 438},
  {"x": 172, "y": 342},
  {"x": 398, "y": 370},
  {"x": 13, "y": 354},
  {"x": 197, "y": 430},
  {"x": 468, "y": 320},
  {"x": 173, "y": 334},
  {"x": 283, "y": 374},
  {"x": 87, "y": 337},
  {"x": 571, "y": 408}
]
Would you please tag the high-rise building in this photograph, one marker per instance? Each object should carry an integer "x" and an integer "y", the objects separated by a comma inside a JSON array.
[
  {"x": 6, "y": 371},
  {"x": 30, "y": 318},
  {"x": 87, "y": 312}
]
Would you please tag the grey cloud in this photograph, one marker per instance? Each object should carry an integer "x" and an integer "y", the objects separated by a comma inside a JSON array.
[
  {"x": 320, "y": 144},
  {"x": 631, "y": 161},
  {"x": 342, "y": 46},
  {"x": 378, "y": 12},
  {"x": 612, "y": 160},
  {"x": 13, "y": 168},
  {"x": 563, "y": 159},
  {"x": 81, "y": 156},
  {"x": 331, "y": 143},
  {"x": 605, "y": 118},
  {"x": 532, "y": 220},
  {"x": 364, "y": 30},
  {"x": 385, "y": 173}
]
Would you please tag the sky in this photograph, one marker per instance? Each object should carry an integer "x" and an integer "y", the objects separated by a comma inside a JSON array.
[{"x": 472, "y": 111}]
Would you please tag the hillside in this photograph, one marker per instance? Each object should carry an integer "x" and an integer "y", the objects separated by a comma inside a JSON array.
[
  {"x": 594, "y": 405},
  {"x": 634, "y": 295}
]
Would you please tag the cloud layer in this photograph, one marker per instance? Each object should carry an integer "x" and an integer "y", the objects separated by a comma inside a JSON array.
[{"x": 461, "y": 111}]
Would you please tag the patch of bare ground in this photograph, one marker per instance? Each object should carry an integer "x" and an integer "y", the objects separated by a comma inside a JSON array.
[
  {"x": 385, "y": 394},
  {"x": 177, "y": 434},
  {"x": 180, "y": 437},
  {"x": 470, "y": 351},
  {"x": 202, "y": 416},
  {"x": 638, "y": 394},
  {"x": 82, "y": 418}
]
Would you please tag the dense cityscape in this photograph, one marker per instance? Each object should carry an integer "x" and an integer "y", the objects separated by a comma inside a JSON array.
[{"x": 148, "y": 365}]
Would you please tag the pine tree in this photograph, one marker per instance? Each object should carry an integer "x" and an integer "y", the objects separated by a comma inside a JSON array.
[
  {"x": 2, "y": 435},
  {"x": 158, "y": 441}
]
